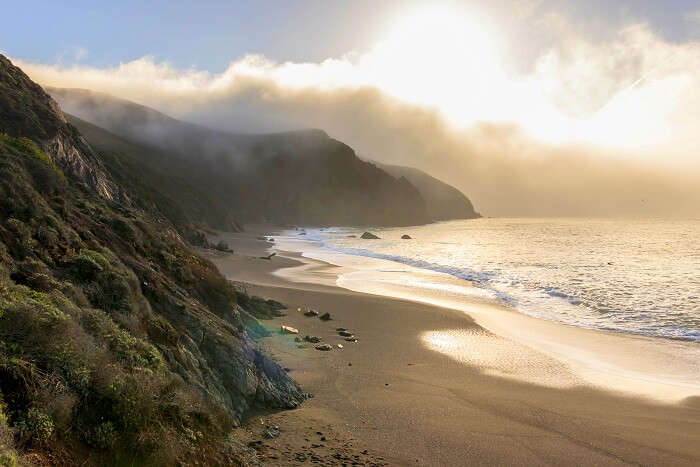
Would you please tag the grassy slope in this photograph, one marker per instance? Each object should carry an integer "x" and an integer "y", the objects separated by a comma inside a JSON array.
[{"x": 118, "y": 344}]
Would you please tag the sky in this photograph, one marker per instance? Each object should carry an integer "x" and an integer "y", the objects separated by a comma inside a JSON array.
[
  {"x": 210, "y": 34},
  {"x": 577, "y": 107}
]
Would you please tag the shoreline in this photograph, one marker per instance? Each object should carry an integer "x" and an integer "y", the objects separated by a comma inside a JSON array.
[
  {"x": 663, "y": 370},
  {"x": 408, "y": 404}
]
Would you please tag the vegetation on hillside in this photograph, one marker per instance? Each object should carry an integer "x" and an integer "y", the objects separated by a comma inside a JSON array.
[{"x": 118, "y": 343}]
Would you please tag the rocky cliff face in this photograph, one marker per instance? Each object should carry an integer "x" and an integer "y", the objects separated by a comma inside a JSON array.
[
  {"x": 118, "y": 343},
  {"x": 26, "y": 110}
]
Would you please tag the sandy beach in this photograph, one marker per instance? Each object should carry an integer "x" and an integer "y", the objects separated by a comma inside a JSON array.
[{"x": 392, "y": 399}]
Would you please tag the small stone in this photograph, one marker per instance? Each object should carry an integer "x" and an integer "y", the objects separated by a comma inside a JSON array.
[
  {"x": 345, "y": 333},
  {"x": 311, "y": 313},
  {"x": 289, "y": 330},
  {"x": 312, "y": 339},
  {"x": 340, "y": 346},
  {"x": 340, "y": 329},
  {"x": 405, "y": 237},
  {"x": 324, "y": 347},
  {"x": 271, "y": 432},
  {"x": 325, "y": 317},
  {"x": 351, "y": 339}
]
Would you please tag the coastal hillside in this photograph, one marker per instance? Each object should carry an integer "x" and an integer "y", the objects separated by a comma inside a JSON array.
[
  {"x": 300, "y": 177},
  {"x": 118, "y": 343},
  {"x": 443, "y": 202}
]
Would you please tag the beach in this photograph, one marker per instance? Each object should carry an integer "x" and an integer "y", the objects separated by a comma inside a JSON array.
[{"x": 394, "y": 398}]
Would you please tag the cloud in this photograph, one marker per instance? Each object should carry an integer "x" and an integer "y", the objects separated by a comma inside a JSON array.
[
  {"x": 693, "y": 17},
  {"x": 592, "y": 128},
  {"x": 81, "y": 54}
]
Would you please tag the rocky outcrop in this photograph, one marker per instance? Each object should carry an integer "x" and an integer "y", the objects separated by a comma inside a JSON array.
[{"x": 369, "y": 236}]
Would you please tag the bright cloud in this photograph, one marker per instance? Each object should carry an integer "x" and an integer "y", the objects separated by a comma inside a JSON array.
[{"x": 438, "y": 93}]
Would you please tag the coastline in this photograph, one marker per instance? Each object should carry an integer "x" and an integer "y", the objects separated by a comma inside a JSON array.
[{"x": 407, "y": 404}]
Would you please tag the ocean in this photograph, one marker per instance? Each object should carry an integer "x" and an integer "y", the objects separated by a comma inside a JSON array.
[{"x": 635, "y": 276}]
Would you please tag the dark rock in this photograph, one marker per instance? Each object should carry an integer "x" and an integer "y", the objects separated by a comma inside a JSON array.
[
  {"x": 405, "y": 237},
  {"x": 351, "y": 339},
  {"x": 313, "y": 339},
  {"x": 311, "y": 313},
  {"x": 325, "y": 317},
  {"x": 340, "y": 329},
  {"x": 324, "y": 347},
  {"x": 345, "y": 333},
  {"x": 369, "y": 236}
]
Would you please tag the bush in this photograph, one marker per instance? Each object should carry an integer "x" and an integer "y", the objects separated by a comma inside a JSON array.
[
  {"x": 36, "y": 425},
  {"x": 104, "y": 436},
  {"x": 124, "y": 228},
  {"x": 88, "y": 264}
]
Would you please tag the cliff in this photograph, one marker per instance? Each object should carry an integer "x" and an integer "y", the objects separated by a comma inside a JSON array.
[
  {"x": 118, "y": 343},
  {"x": 443, "y": 202}
]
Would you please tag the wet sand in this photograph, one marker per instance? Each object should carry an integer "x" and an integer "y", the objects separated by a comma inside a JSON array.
[{"x": 391, "y": 399}]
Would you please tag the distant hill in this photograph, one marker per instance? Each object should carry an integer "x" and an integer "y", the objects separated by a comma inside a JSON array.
[
  {"x": 141, "y": 168},
  {"x": 301, "y": 177},
  {"x": 443, "y": 201}
]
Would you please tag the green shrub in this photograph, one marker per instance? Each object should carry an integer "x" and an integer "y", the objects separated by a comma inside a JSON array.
[
  {"x": 37, "y": 425},
  {"x": 124, "y": 229},
  {"x": 7, "y": 457},
  {"x": 104, "y": 436},
  {"x": 88, "y": 264}
]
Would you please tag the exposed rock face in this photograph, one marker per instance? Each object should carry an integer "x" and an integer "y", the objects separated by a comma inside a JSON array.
[{"x": 26, "y": 110}]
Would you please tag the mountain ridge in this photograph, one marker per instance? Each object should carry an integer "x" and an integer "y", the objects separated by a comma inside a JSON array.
[
  {"x": 443, "y": 201},
  {"x": 301, "y": 177}
]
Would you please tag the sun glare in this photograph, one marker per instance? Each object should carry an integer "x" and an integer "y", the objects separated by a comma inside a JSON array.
[{"x": 441, "y": 58}]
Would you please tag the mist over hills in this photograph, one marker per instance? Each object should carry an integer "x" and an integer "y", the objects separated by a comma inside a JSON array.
[
  {"x": 444, "y": 202},
  {"x": 300, "y": 177}
]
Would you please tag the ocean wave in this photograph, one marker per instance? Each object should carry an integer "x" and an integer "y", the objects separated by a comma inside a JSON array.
[{"x": 525, "y": 294}]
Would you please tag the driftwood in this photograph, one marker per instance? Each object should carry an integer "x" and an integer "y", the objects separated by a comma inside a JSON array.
[{"x": 268, "y": 256}]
